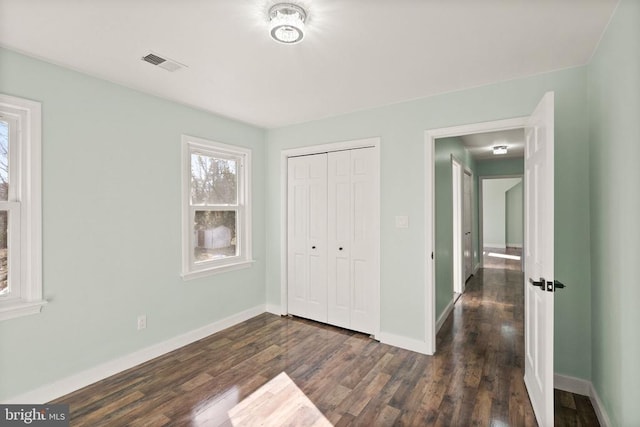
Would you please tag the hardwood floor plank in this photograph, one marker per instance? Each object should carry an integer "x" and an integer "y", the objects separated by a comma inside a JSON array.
[{"x": 273, "y": 370}]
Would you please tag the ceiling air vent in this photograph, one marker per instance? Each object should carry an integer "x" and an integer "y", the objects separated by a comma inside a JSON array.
[{"x": 166, "y": 63}]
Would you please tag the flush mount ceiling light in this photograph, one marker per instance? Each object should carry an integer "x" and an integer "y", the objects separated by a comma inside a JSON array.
[
  {"x": 499, "y": 149},
  {"x": 287, "y": 22}
]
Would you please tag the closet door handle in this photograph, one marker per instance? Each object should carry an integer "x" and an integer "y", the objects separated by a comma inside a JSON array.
[
  {"x": 313, "y": 247},
  {"x": 340, "y": 248}
]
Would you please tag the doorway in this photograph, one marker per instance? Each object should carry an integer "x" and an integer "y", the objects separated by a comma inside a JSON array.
[
  {"x": 501, "y": 210},
  {"x": 538, "y": 152},
  {"x": 439, "y": 291}
]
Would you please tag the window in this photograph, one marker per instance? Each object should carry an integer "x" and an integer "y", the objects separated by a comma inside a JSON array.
[
  {"x": 20, "y": 208},
  {"x": 216, "y": 229}
]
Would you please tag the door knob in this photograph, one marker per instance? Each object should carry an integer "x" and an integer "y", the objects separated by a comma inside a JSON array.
[
  {"x": 313, "y": 247},
  {"x": 340, "y": 248}
]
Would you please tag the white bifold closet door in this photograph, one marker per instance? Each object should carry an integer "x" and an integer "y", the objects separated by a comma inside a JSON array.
[
  {"x": 346, "y": 243},
  {"x": 307, "y": 237}
]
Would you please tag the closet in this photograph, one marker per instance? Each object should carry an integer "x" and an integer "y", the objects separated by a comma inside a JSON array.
[{"x": 331, "y": 236}]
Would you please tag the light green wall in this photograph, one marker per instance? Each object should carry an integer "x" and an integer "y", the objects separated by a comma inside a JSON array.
[
  {"x": 111, "y": 226},
  {"x": 614, "y": 116},
  {"x": 500, "y": 167},
  {"x": 494, "y": 209},
  {"x": 444, "y": 149},
  {"x": 403, "y": 254},
  {"x": 514, "y": 215}
]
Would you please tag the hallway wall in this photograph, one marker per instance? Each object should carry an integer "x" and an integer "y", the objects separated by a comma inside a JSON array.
[
  {"x": 444, "y": 149},
  {"x": 514, "y": 216},
  {"x": 494, "y": 211}
]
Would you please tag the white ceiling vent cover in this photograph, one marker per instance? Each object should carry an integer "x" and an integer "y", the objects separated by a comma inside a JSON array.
[{"x": 166, "y": 63}]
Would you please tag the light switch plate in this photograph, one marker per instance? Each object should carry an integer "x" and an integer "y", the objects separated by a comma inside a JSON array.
[{"x": 402, "y": 221}]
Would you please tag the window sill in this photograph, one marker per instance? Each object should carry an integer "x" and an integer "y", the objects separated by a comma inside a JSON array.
[
  {"x": 13, "y": 309},
  {"x": 215, "y": 270}
]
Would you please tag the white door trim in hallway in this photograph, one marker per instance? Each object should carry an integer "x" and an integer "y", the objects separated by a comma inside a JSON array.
[{"x": 430, "y": 137}]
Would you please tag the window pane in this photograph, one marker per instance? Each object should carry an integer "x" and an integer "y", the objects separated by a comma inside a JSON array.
[
  {"x": 213, "y": 181},
  {"x": 214, "y": 235},
  {"x": 4, "y": 160},
  {"x": 4, "y": 270}
]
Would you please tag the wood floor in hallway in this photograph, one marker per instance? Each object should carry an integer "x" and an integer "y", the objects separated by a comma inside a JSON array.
[{"x": 280, "y": 371}]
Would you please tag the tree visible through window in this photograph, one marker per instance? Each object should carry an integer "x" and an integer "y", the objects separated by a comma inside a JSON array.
[
  {"x": 214, "y": 184},
  {"x": 216, "y": 193}
]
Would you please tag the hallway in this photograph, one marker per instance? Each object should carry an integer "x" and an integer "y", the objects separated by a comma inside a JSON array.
[{"x": 508, "y": 258}]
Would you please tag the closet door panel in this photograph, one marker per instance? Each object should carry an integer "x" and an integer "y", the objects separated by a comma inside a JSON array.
[
  {"x": 339, "y": 231},
  {"x": 362, "y": 239},
  {"x": 307, "y": 236}
]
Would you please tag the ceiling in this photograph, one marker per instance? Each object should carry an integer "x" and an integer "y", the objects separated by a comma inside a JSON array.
[
  {"x": 480, "y": 145},
  {"x": 356, "y": 54}
]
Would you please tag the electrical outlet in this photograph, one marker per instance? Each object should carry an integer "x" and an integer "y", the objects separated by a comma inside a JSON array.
[{"x": 142, "y": 321}]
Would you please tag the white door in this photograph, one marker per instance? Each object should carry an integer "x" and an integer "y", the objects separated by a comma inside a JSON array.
[
  {"x": 351, "y": 239},
  {"x": 467, "y": 224},
  {"x": 538, "y": 269},
  {"x": 458, "y": 235},
  {"x": 307, "y": 236}
]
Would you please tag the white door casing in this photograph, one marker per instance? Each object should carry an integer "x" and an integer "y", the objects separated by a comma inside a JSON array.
[
  {"x": 467, "y": 224},
  {"x": 429, "y": 342},
  {"x": 307, "y": 236},
  {"x": 539, "y": 259},
  {"x": 458, "y": 235}
]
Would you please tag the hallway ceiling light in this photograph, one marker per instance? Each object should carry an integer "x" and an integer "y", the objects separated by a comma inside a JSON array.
[
  {"x": 499, "y": 149},
  {"x": 287, "y": 22}
]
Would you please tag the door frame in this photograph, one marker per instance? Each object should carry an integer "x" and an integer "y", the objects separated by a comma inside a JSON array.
[
  {"x": 374, "y": 143},
  {"x": 468, "y": 171},
  {"x": 430, "y": 137},
  {"x": 481, "y": 206},
  {"x": 457, "y": 189}
]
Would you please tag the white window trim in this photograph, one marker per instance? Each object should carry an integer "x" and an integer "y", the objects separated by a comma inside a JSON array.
[
  {"x": 244, "y": 260},
  {"x": 29, "y": 116}
]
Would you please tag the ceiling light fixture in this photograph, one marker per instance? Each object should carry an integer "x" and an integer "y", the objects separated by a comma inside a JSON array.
[
  {"x": 499, "y": 149},
  {"x": 287, "y": 22}
]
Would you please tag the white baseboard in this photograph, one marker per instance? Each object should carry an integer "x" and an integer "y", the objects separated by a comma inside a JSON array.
[
  {"x": 404, "y": 342},
  {"x": 598, "y": 406},
  {"x": 447, "y": 311},
  {"x": 584, "y": 388},
  {"x": 82, "y": 379},
  {"x": 274, "y": 309},
  {"x": 494, "y": 246},
  {"x": 514, "y": 245},
  {"x": 571, "y": 384}
]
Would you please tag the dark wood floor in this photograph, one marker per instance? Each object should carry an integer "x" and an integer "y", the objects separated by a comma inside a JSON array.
[
  {"x": 495, "y": 258},
  {"x": 282, "y": 371}
]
